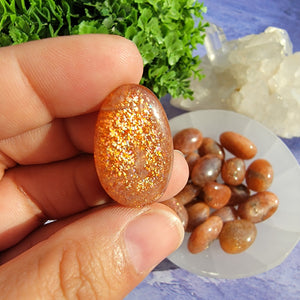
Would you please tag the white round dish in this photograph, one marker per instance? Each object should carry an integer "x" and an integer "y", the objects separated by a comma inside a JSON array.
[{"x": 277, "y": 236}]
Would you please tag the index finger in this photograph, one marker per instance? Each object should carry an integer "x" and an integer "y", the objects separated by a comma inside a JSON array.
[{"x": 61, "y": 77}]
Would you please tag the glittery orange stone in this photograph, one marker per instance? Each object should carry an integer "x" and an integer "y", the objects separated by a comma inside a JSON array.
[{"x": 133, "y": 146}]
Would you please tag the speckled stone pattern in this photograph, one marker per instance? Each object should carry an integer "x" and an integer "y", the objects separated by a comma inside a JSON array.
[
  {"x": 237, "y": 18},
  {"x": 133, "y": 146}
]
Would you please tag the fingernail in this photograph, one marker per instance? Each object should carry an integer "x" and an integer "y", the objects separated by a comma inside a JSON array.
[
  {"x": 151, "y": 237},
  {"x": 178, "y": 151}
]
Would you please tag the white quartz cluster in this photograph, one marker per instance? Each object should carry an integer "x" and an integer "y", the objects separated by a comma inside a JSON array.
[{"x": 257, "y": 75}]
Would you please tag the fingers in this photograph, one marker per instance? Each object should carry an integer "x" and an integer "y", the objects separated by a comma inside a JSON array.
[
  {"x": 179, "y": 176},
  {"x": 57, "y": 140},
  {"x": 61, "y": 77},
  {"x": 30, "y": 195},
  {"x": 44, "y": 82},
  {"x": 102, "y": 255}
]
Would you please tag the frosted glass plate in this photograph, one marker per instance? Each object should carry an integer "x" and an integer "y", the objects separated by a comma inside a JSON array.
[{"x": 278, "y": 235}]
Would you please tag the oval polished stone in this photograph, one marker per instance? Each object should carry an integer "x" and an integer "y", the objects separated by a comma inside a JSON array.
[
  {"x": 259, "y": 175},
  {"x": 133, "y": 146},
  {"x": 216, "y": 195},
  {"x": 204, "y": 234},
  {"x": 206, "y": 169},
  {"x": 233, "y": 171},
  {"x": 237, "y": 236},
  {"x": 238, "y": 145},
  {"x": 187, "y": 140},
  {"x": 259, "y": 207},
  {"x": 210, "y": 146}
]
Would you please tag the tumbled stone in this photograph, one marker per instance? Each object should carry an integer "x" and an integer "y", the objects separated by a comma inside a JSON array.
[
  {"x": 238, "y": 145},
  {"x": 216, "y": 195},
  {"x": 133, "y": 146},
  {"x": 210, "y": 146},
  {"x": 237, "y": 236},
  {"x": 204, "y": 234},
  {"x": 259, "y": 175},
  {"x": 187, "y": 140},
  {"x": 259, "y": 207},
  {"x": 233, "y": 171},
  {"x": 206, "y": 169}
]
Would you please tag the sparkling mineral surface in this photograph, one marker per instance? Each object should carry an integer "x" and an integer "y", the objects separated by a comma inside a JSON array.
[
  {"x": 257, "y": 75},
  {"x": 133, "y": 146}
]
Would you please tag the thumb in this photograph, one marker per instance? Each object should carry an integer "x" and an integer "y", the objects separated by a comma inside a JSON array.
[{"x": 102, "y": 255}]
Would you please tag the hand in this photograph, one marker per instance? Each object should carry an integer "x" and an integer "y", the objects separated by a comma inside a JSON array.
[{"x": 50, "y": 92}]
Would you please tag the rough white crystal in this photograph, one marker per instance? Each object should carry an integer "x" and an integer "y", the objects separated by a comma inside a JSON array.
[{"x": 257, "y": 75}]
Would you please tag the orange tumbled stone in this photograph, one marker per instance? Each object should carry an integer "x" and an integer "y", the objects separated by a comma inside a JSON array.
[
  {"x": 216, "y": 195},
  {"x": 238, "y": 145},
  {"x": 204, "y": 234},
  {"x": 133, "y": 146},
  {"x": 237, "y": 236},
  {"x": 259, "y": 175}
]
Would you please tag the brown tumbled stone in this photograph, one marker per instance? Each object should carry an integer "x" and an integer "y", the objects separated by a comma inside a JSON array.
[
  {"x": 237, "y": 236},
  {"x": 204, "y": 234},
  {"x": 210, "y": 146},
  {"x": 259, "y": 207},
  {"x": 206, "y": 169},
  {"x": 187, "y": 140}
]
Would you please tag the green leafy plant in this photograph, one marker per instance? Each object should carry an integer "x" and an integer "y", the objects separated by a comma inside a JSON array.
[{"x": 165, "y": 31}]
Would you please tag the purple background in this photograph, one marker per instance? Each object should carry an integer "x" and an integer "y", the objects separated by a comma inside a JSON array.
[{"x": 167, "y": 281}]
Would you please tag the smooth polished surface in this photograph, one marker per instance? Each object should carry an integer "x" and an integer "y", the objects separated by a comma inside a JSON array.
[
  {"x": 167, "y": 281},
  {"x": 133, "y": 146}
]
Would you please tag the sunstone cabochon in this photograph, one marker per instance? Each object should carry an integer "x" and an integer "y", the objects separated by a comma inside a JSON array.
[{"x": 133, "y": 146}]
